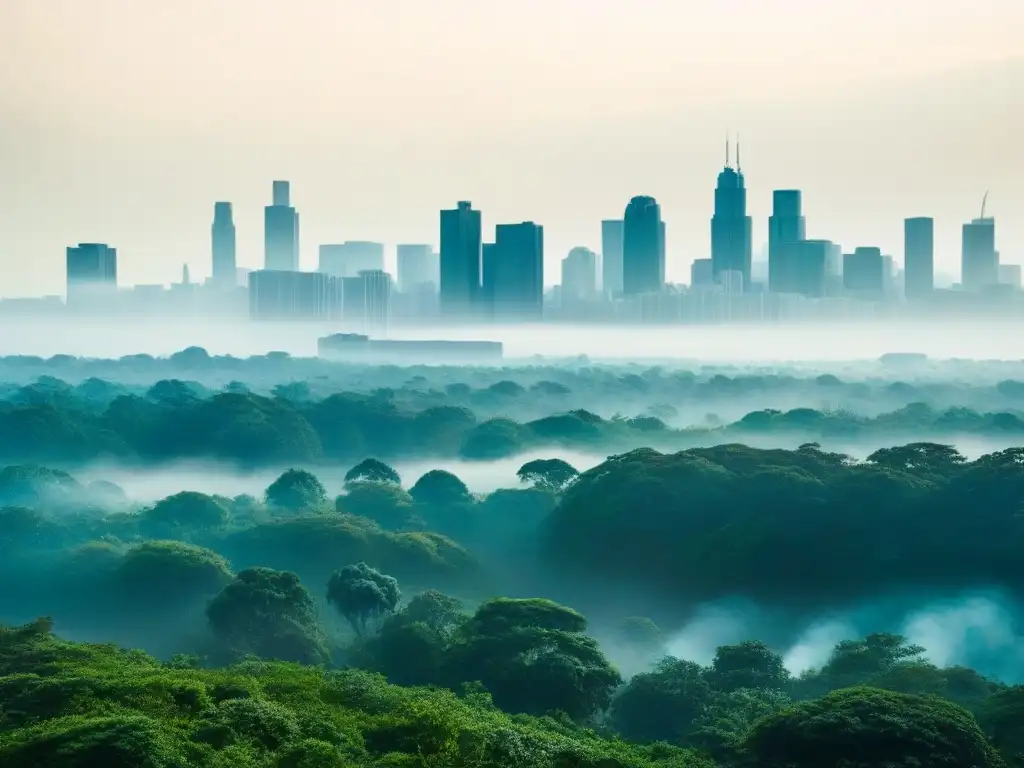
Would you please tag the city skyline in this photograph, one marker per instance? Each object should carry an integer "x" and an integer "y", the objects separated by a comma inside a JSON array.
[{"x": 135, "y": 156}]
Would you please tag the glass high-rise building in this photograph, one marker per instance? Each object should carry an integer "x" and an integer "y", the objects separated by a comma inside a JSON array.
[
  {"x": 787, "y": 228},
  {"x": 223, "y": 248},
  {"x": 514, "y": 270},
  {"x": 731, "y": 227},
  {"x": 281, "y": 231},
  {"x": 611, "y": 257},
  {"x": 460, "y": 261},
  {"x": 643, "y": 247},
  {"x": 979, "y": 261},
  {"x": 918, "y": 257}
]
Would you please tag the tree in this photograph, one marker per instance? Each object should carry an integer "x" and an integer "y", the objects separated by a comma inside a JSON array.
[
  {"x": 270, "y": 614},
  {"x": 919, "y": 457},
  {"x": 440, "y": 488},
  {"x": 411, "y": 645},
  {"x": 548, "y": 474},
  {"x": 157, "y": 574},
  {"x": 868, "y": 727},
  {"x": 750, "y": 664},
  {"x": 185, "y": 512},
  {"x": 661, "y": 705},
  {"x": 533, "y": 657},
  {"x": 388, "y": 504},
  {"x": 374, "y": 471},
  {"x": 362, "y": 595},
  {"x": 296, "y": 490}
]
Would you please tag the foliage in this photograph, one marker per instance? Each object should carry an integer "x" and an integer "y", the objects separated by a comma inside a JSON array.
[
  {"x": 296, "y": 490},
  {"x": 374, "y": 471},
  {"x": 270, "y": 614},
  {"x": 82, "y": 706},
  {"x": 866, "y": 727},
  {"x": 362, "y": 595}
]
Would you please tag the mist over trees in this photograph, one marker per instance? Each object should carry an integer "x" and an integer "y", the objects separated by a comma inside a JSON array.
[{"x": 376, "y": 619}]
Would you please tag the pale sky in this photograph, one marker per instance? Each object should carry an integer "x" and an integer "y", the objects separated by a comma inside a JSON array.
[{"x": 123, "y": 121}]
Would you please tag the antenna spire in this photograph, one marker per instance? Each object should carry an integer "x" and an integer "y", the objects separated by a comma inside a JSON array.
[
  {"x": 726, "y": 149},
  {"x": 738, "y": 152}
]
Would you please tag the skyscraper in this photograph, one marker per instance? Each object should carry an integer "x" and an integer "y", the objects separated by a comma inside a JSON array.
[
  {"x": 918, "y": 257},
  {"x": 514, "y": 270},
  {"x": 222, "y": 237},
  {"x": 643, "y": 247},
  {"x": 91, "y": 270},
  {"x": 579, "y": 275},
  {"x": 417, "y": 267},
  {"x": 460, "y": 260},
  {"x": 979, "y": 262},
  {"x": 731, "y": 228},
  {"x": 350, "y": 258},
  {"x": 611, "y": 257},
  {"x": 786, "y": 229},
  {"x": 281, "y": 231}
]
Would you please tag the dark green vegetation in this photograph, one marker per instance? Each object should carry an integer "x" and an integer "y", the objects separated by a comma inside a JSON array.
[
  {"x": 50, "y": 421},
  {"x": 357, "y": 624},
  {"x": 299, "y": 630}
]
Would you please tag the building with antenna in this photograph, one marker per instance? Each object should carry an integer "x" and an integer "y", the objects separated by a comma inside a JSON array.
[
  {"x": 731, "y": 227},
  {"x": 979, "y": 261}
]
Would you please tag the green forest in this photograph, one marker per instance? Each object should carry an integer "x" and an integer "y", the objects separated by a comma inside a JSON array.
[{"x": 348, "y": 615}]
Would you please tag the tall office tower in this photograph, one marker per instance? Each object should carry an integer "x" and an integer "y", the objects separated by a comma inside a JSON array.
[
  {"x": 979, "y": 262},
  {"x": 731, "y": 228},
  {"x": 864, "y": 272},
  {"x": 514, "y": 272},
  {"x": 222, "y": 241},
  {"x": 643, "y": 247},
  {"x": 702, "y": 275},
  {"x": 579, "y": 275},
  {"x": 281, "y": 231},
  {"x": 611, "y": 257},
  {"x": 417, "y": 267},
  {"x": 460, "y": 267},
  {"x": 350, "y": 258},
  {"x": 918, "y": 257},
  {"x": 91, "y": 270},
  {"x": 811, "y": 260},
  {"x": 786, "y": 228}
]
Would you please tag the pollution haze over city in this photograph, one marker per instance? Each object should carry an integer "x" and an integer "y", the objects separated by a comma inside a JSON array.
[{"x": 562, "y": 385}]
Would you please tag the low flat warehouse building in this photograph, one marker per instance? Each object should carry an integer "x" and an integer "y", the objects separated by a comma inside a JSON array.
[{"x": 356, "y": 348}]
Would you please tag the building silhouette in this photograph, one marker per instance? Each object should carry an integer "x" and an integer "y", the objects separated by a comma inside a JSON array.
[
  {"x": 731, "y": 228},
  {"x": 979, "y": 261},
  {"x": 643, "y": 247},
  {"x": 702, "y": 275},
  {"x": 291, "y": 295},
  {"x": 918, "y": 257},
  {"x": 514, "y": 272},
  {"x": 350, "y": 258},
  {"x": 460, "y": 261},
  {"x": 611, "y": 257},
  {"x": 222, "y": 246},
  {"x": 1009, "y": 274},
  {"x": 418, "y": 266},
  {"x": 579, "y": 275},
  {"x": 787, "y": 228},
  {"x": 91, "y": 271},
  {"x": 864, "y": 273},
  {"x": 811, "y": 266},
  {"x": 366, "y": 300},
  {"x": 281, "y": 231}
]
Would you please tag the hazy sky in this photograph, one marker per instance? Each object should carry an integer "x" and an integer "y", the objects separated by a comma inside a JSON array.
[{"x": 124, "y": 120}]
